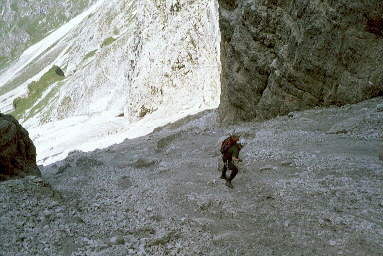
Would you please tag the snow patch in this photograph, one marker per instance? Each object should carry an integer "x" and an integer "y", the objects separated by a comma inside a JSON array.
[{"x": 86, "y": 133}]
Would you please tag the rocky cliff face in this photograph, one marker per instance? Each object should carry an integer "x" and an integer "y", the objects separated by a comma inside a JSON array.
[
  {"x": 283, "y": 55},
  {"x": 177, "y": 64},
  {"x": 127, "y": 61},
  {"x": 131, "y": 57},
  {"x": 23, "y": 23},
  {"x": 18, "y": 154}
]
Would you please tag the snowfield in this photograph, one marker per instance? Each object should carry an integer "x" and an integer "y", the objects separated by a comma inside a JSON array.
[{"x": 56, "y": 139}]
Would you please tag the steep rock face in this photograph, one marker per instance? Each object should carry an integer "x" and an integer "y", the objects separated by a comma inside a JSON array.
[
  {"x": 128, "y": 57},
  {"x": 23, "y": 23},
  {"x": 130, "y": 66},
  {"x": 177, "y": 64},
  {"x": 161, "y": 55},
  {"x": 18, "y": 154},
  {"x": 281, "y": 56}
]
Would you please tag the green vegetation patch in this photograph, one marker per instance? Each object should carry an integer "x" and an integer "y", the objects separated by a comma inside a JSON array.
[
  {"x": 45, "y": 101},
  {"x": 35, "y": 91},
  {"x": 89, "y": 55},
  {"x": 116, "y": 31},
  {"x": 108, "y": 41},
  {"x": 29, "y": 71},
  {"x": 14, "y": 7},
  {"x": 3, "y": 62}
]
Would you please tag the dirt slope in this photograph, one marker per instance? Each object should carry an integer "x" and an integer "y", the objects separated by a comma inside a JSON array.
[{"x": 310, "y": 184}]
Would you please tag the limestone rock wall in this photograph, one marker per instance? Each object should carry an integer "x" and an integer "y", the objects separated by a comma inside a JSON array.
[
  {"x": 131, "y": 57},
  {"x": 177, "y": 63},
  {"x": 17, "y": 154},
  {"x": 284, "y": 55}
]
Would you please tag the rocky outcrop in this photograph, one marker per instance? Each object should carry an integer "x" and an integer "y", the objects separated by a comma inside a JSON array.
[
  {"x": 18, "y": 154},
  {"x": 280, "y": 56}
]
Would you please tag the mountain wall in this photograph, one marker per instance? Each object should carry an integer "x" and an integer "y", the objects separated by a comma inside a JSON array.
[
  {"x": 280, "y": 56},
  {"x": 119, "y": 69},
  {"x": 177, "y": 64},
  {"x": 128, "y": 58}
]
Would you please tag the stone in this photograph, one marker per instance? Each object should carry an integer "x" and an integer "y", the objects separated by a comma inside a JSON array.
[
  {"x": 287, "y": 163},
  {"x": 163, "y": 240},
  {"x": 124, "y": 182},
  {"x": 278, "y": 56},
  {"x": 379, "y": 107},
  {"x": 117, "y": 240},
  {"x": 144, "y": 163},
  {"x": 267, "y": 168},
  {"x": 204, "y": 221},
  {"x": 18, "y": 153},
  {"x": 143, "y": 232},
  {"x": 87, "y": 162},
  {"x": 58, "y": 71},
  {"x": 78, "y": 220},
  {"x": 226, "y": 237}
]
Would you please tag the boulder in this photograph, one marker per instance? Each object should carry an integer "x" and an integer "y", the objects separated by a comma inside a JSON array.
[
  {"x": 282, "y": 56},
  {"x": 17, "y": 154}
]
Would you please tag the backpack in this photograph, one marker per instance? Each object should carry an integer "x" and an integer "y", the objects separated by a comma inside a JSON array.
[{"x": 226, "y": 144}]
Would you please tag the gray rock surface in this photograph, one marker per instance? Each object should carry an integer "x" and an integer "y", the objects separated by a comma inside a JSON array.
[
  {"x": 282, "y": 56},
  {"x": 18, "y": 154},
  {"x": 302, "y": 190}
]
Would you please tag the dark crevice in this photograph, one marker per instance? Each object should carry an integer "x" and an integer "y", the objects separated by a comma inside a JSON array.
[{"x": 263, "y": 89}]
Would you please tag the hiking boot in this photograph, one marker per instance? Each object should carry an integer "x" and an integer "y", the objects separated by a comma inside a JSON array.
[
  {"x": 228, "y": 183},
  {"x": 222, "y": 177}
]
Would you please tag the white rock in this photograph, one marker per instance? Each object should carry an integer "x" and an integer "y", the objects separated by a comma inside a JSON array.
[{"x": 116, "y": 240}]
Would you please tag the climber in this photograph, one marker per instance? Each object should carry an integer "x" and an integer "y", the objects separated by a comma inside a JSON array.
[{"x": 230, "y": 149}]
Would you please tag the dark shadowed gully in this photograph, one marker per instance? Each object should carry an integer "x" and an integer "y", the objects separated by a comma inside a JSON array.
[{"x": 280, "y": 56}]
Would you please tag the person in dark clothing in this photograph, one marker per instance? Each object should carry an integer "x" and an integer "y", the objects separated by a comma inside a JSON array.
[{"x": 232, "y": 154}]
